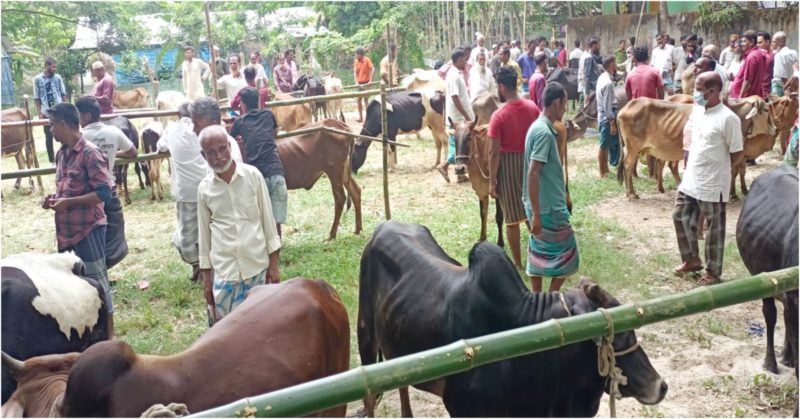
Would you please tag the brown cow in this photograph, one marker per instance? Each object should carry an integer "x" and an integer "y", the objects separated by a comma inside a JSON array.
[
  {"x": 42, "y": 381},
  {"x": 307, "y": 157},
  {"x": 15, "y": 142},
  {"x": 281, "y": 335},
  {"x": 784, "y": 112},
  {"x": 291, "y": 117},
  {"x": 758, "y": 129},
  {"x": 131, "y": 99}
]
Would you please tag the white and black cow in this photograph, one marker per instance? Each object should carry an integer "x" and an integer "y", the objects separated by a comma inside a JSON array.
[{"x": 49, "y": 307}]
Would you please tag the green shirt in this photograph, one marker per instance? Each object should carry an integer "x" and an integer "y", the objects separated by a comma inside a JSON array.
[{"x": 541, "y": 145}]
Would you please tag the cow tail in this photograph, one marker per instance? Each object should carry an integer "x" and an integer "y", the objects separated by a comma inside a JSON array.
[
  {"x": 348, "y": 173},
  {"x": 621, "y": 165}
]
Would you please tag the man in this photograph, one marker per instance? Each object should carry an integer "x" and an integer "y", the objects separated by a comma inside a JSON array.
[
  {"x": 581, "y": 62},
  {"x": 590, "y": 70},
  {"x": 389, "y": 66},
  {"x": 109, "y": 139},
  {"x": 507, "y": 129},
  {"x": 577, "y": 52},
  {"x": 552, "y": 249},
  {"x": 495, "y": 51},
  {"x": 480, "y": 41},
  {"x": 619, "y": 53},
  {"x": 291, "y": 63},
  {"x": 261, "y": 75},
  {"x": 238, "y": 241},
  {"x": 749, "y": 80},
  {"x": 607, "y": 116},
  {"x": 541, "y": 46},
  {"x": 205, "y": 112},
  {"x": 704, "y": 189},
  {"x": 537, "y": 82},
  {"x": 457, "y": 105},
  {"x": 514, "y": 51},
  {"x": 728, "y": 54},
  {"x": 785, "y": 58},
  {"x": 363, "y": 71},
  {"x": 103, "y": 89},
  {"x": 220, "y": 65},
  {"x": 83, "y": 185},
  {"x": 480, "y": 78},
  {"x": 282, "y": 75},
  {"x": 704, "y": 64},
  {"x": 683, "y": 57},
  {"x": 234, "y": 81},
  {"x": 643, "y": 80},
  {"x": 662, "y": 61},
  {"x": 496, "y": 61},
  {"x": 526, "y": 64},
  {"x": 193, "y": 71},
  {"x": 48, "y": 91},
  {"x": 257, "y": 128},
  {"x": 188, "y": 169},
  {"x": 250, "y": 78},
  {"x": 629, "y": 54},
  {"x": 763, "y": 41},
  {"x": 561, "y": 58},
  {"x": 506, "y": 61}
]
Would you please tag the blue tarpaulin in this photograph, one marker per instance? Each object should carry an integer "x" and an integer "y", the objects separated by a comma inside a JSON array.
[
  {"x": 167, "y": 62},
  {"x": 7, "y": 85}
]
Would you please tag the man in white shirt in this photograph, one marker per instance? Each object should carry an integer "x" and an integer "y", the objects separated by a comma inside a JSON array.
[
  {"x": 239, "y": 244},
  {"x": 577, "y": 52},
  {"x": 717, "y": 146},
  {"x": 481, "y": 47},
  {"x": 728, "y": 53},
  {"x": 458, "y": 106},
  {"x": 785, "y": 58},
  {"x": 261, "y": 75},
  {"x": 480, "y": 78},
  {"x": 108, "y": 138},
  {"x": 581, "y": 61},
  {"x": 515, "y": 51},
  {"x": 661, "y": 59},
  {"x": 234, "y": 81},
  {"x": 194, "y": 71}
]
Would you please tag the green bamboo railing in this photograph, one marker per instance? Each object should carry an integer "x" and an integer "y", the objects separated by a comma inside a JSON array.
[{"x": 463, "y": 355}]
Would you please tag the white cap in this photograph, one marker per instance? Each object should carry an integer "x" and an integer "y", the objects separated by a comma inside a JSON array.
[{"x": 96, "y": 65}]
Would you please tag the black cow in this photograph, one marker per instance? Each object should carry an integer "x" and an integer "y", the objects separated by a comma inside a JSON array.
[
  {"x": 34, "y": 319},
  {"x": 413, "y": 296},
  {"x": 121, "y": 171},
  {"x": 766, "y": 235},
  {"x": 408, "y": 112},
  {"x": 568, "y": 78},
  {"x": 312, "y": 87}
]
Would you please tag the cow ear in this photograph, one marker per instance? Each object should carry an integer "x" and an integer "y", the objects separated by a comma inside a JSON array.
[{"x": 598, "y": 295}]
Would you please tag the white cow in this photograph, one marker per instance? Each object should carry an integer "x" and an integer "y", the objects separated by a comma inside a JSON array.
[
  {"x": 169, "y": 100},
  {"x": 333, "y": 85}
]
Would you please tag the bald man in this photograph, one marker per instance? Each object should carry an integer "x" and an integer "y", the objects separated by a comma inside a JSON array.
[
  {"x": 241, "y": 251},
  {"x": 785, "y": 58},
  {"x": 712, "y": 52},
  {"x": 715, "y": 149}
]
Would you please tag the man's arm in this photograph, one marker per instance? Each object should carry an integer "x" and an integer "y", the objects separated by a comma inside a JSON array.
[
  {"x": 659, "y": 92},
  {"x": 271, "y": 237},
  {"x": 533, "y": 192},
  {"x": 460, "y": 107},
  {"x": 745, "y": 87},
  {"x": 494, "y": 165},
  {"x": 125, "y": 146},
  {"x": 628, "y": 91},
  {"x": 204, "y": 245}
]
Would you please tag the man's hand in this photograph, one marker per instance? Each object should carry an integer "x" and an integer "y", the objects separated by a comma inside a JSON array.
[
  {"x": 536, "y": 227},
  {"x": 47, "y": 201},
  {"x": 493, "y": 188},
  {"x": 60, "y": 204},
  {"x": 207, "y": 277},
  {"x": 273, "y": 274}
]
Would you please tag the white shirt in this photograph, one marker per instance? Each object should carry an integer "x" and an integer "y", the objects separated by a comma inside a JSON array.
[
  {"x": 716, "y": 133},
  {"x": 726, "y": 57},
  {"x": 235, "y": 226},
  {"x": 232, "y": 84},
  {"x": 584, "y": 56},
  {"x": 260, "y": 74},
  {"x": 784, "y": 59},
  {"x": 473, "y": 55},
  {"x": 576, "y": 53},
  {"x": 455, "y": 85},
  {"x": 724, "y": 76},
  {"x": 188, "y": 165},
  {"x": 662, "y": 58},
  {"x": 108, "y": 138},
  {"x": 514, "y": 53},
  {"x": 733, "y": 69},
  {"x": 480, "y": 81},
  {"x": 193, "y": 75}
]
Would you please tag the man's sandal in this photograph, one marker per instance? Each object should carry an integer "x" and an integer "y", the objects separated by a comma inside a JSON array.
[
  {"x": 708, "y": 279},
  {"x": 685, "y": 268}
]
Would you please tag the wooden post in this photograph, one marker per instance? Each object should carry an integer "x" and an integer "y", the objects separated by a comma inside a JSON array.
[
  {"x": 30, "y": 145},
  {"x": 385, "y": 135},
  {"x": 212, "y": 65},
  {"x": 389, "y": 55}
]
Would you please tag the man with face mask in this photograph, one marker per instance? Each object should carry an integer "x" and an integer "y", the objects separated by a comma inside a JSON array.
[
  {"x": 717, "y": 146},
  {"x": 507, "y": 129}
]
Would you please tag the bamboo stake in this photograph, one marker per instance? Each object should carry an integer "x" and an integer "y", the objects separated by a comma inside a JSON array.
[
  {"x": 638, "y": 25},
  {"x": 30, "y": 147},
  {"x": 385, "y": 134},
  {"x": 212, "y": 67},
  {"x": 467, "y": 354}
]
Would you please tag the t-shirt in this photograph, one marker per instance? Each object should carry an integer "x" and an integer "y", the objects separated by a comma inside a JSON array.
[
  {"x": 766, "y": 81},
  {"x": 456, "y": 85},
  {"x": 644, "y": 81},
  {"x": 363, "y": 69},
  {"x": 109, "y": 139},
  {"x": 536, "y": 87},
  {"x": 510, "y": 124},
  {"x": 231, "y": 84},
  {"x": 541, "y": 145},
  {"x": 258, "y": 129},
  {"x": 526, "y": 64},
  {"x": 49, "y": 91},
  {"x": 752, "y": 70},
  {"x": 575, "y": 54}
]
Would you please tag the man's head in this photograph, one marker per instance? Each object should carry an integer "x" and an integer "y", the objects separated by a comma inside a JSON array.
[
  {"x": 577, "y": 43},
  {"x": 289, "y": 55},
  {"x": 392, "y": 51},
  {"x": 481, "y": 59},
  {"x": 540, "y": 58},
  {"x": 253, "y": 58},
  {"x": 749, "y": 39},
  {"x": 459, "y": 58},
  {"x": 480, "y": 40},
  {"x": 205, "y": 112},
  {"x": 709, "y": 84},
  {"x": 594, "y": 45},
  {"x": 98, "y": 70},
  {"x": 88, "y": 110},
  {"x": 622, "y": 44},
  {"x": 661, "y": 39},
  {"x": 505, "y": 54},
  {"x": 506, "y": 79},
  {"x": 711, "y": 51},
  {"x": 610, "y": 64},
  {"x": 360, "y": 53},
  {"x": 249, "y": 97},
  {"x": 188, "y": 52},
  {"x": 215, "y": 148},
  {"x": 632, "y": 40},
  {"x": 732, "y": 40},
  {"x": 641, "y": 54},
  {"x": 737, "y": 47},
  {"x": 531, "y": 46},
  {"x": 763, "y": 40},
  {"x": 64, "y": 121},
  {"x": 250, "y": 74},
  {"x": 49, "y": 66},
  {"x": 555, "y": 100},
  {"x": 233, "y": 63},
  {"x": 467, "y": 49},
  {"x": 779, "y": 39},
  {"x": 690, "y": 42},
  {"x": 183, "y": 110},
  {"x": 495, "y": 49},
  {"x": 704, "y": 64},
  {"x": 281, "y": 60}
]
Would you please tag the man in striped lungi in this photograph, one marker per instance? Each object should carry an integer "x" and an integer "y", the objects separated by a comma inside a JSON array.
[{"x": 552, "y": 249}]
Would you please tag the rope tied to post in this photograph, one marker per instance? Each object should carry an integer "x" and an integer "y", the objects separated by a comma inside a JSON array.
[
  {"x": 606, "y": 363},
  {"x": 173, "y": 410}
]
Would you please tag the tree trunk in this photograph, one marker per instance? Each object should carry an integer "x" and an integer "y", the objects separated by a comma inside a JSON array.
[
  {"x": 663, "y": 16},
  {"x": 524, "y": 20}
]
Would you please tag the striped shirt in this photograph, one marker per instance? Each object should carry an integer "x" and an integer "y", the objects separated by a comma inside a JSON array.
[{"x": 79, "y": 170}]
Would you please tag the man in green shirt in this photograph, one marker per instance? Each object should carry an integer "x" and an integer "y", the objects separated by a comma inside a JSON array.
[{"x": 552, "y": 248}]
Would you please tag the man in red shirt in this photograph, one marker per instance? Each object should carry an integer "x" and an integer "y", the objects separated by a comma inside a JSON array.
[
  {"x": 644, "y": 80},
  {"x": 538, "y": 82},
  {"x": 749, "y": 80},
  {"x": 250, "y": 77},
  {"x": 763, "y": 43},
  {"x": 507, "y": 130}
]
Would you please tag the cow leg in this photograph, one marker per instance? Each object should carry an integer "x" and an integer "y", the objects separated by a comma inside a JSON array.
[
  {"x": 354, "y": 191},
  {"x": 138, "y": 169},
  {"x": 659, "y": 173},
  {"x": 742, "y": 171},
  {"x": 653, "y": 167},
  {"x": 631, "y": 157},
  {"x": 673, "y": 167},
  {"x": 21, "y": 165},
  {"x": 405, "y": 403},
  {"x": 498, "y": 218},
  {"x": 341, "y": 114},
  {"x": 789, "y": 357},
  {"x": 770, "y": 317},
  {"x": 338, "y": 205},
  {"x": 483, "y": 206}
]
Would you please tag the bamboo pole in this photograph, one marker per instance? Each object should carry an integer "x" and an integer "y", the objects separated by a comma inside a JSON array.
[
  {"x": 638, "y": 25},
  {"x": 467, "y": 354},
  {"x": 30, "y": 146},
  {"x": 385, "y": 134},
  {"x": 213, "y": 63},
  {"x": 41, "y": 171}
]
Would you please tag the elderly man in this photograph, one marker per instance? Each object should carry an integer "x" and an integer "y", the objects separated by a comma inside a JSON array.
[
  {"x": 457, "y": 105},
  {"x": 728, "y": 54},
  {"x": 552, "y": 248},
  {"x": 481, "y": 47},
  {"x": 387, "y": 69},
  {"x": 785, "y": 58},
  {"x": 363, "y": 70},
  {"x": 749, "y": 80},
  {"x": 538, "y": 82},
  {"x": 515, "y": 51},
  {"x": 238, "y": 241},
  {"x": 193, "y": 72},
  {"x": 234, "y": 81},
  {"x": 480, "y": 78},
  {"x": 715, "y": 149},
  {"x": 103, "y": 90},
  {"x": 48, "y": 91},
  {"x": 83, "y": 186},
  {"x": 607, "y": 107}
]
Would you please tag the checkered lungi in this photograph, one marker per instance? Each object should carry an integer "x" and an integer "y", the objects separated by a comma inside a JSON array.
[
  {"x": 229, "y": 294},
  {"x": 509, "y": 187},
  {"x": 685, "y": 215},
  {"x": 554, "y": 253}
]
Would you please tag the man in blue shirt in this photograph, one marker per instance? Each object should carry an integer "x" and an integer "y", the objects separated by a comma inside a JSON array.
[
  {"x": 48, "y": 91},
  {"x": 527, "y": 64}
]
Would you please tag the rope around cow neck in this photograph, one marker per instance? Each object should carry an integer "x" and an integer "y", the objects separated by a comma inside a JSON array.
[
  {"x": 173, "y": 410},
  {"x": 606, "y": 363}
]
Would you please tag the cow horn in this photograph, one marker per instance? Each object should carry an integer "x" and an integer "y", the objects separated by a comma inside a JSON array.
[{"x": 14, "y": 365}]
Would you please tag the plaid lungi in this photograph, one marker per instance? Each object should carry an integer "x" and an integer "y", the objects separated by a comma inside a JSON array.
[
  {"x": 92, "y": 251},
  {"x": 229, "y": 294},
  {"x": 509, "y": 187},
  {"x": 685, "y": 215},
  {"x": 185, "y": 236},
  {"x": 555, "y": 252}
]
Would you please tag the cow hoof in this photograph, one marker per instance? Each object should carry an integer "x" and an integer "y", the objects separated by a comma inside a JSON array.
[
  {"x": 787, "y": 361},
  {"x": 632, "y": 197},
  {"x": 127, "y": 202},
  {"x": 771, "y": 366},
  {"x": 734, "y": 197}
]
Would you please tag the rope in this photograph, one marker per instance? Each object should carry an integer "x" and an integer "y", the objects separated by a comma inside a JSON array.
[
  {"x": 174, "y": 410},
  {"x": 606, "y": 364}
]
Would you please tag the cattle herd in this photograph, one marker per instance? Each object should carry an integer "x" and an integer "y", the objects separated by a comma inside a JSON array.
[{"x": 58, "y": 360}]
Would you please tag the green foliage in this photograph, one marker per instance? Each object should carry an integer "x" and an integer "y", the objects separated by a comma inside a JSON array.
[
  {"x": 717, "y": 13},
  {"x": 347, "y": 17}
]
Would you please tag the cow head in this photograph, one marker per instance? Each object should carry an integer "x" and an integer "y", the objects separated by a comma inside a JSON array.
[
  {"x": 41, "y": 382},
  {"x": 644, "y": 382},
  {"x": 784, "y": 111},
  {"x": 586, "y": 117},
  {"x": 463, "y": 135},
  {"x": 300, "y": 84}
]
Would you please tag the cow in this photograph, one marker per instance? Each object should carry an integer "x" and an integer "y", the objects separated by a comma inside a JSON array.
[
  {"x": 421, "y": 80},
  {"x": 784, "y": 113},
  {"x": 767, "y": 237},
  {"x": 150, "y": 136},
  {"x": 131, "y": 99},
  {"x": 121, "y": 170},
  {"x": 413, "y": 297},
  {"x": 406, "y": 112},
  {"x": 291, "y": 117},
  {"x": 333, "y": 108},
  {"x": 15, "y": 142},
  {"x": 484, "y": 106},
  {"x": 307, "y": 157},
  {"x": 758, "y": 130},
  {"x": 281, "y": 335},
  {"x": 569, "y": 79},
  {"x": 312, "y": 87},
  {"x": 169, "y": 100},
  {"x": 49, "y": 307}
]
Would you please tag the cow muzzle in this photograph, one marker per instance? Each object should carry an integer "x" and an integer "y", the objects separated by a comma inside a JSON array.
[{"x": 460, "y": 169}]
